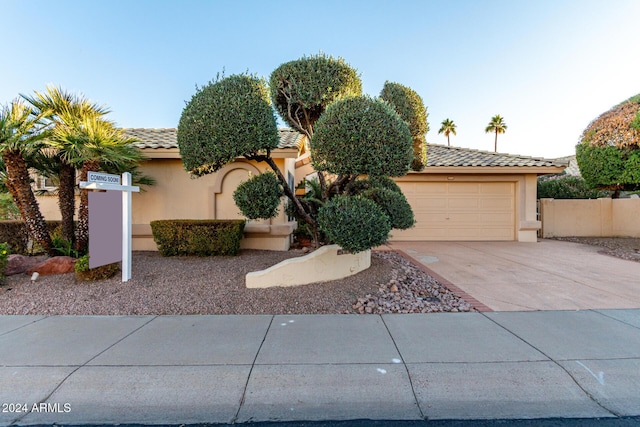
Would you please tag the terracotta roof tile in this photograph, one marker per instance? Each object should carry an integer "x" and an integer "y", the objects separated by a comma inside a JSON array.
[
  {"x": 168, "y": 137},
  {"x": 444, "y": 156},
  {"x": 438, "y": 155}
]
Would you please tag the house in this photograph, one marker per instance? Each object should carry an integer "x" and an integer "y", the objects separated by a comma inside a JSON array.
[{"x": 462, "y": 194}]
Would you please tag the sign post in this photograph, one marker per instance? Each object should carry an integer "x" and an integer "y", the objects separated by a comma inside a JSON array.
[{"x": 104, "y": 181}]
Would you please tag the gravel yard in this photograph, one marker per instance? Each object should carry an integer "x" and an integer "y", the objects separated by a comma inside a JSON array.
[
  {"x": 215, "y": 285},
  {"x": 620, "y": 247}
]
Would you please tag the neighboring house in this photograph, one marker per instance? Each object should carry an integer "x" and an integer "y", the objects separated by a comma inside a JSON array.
[
  {"x": 572, "y": 168},
  {"x": 462, "y": 194}
]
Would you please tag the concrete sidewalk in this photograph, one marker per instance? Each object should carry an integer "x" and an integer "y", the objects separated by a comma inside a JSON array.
[
  {"x": 516, "y": 276},
  {"x": 208, "y": 369}
]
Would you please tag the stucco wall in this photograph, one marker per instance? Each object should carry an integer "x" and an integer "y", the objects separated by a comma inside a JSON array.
[
  {"x": 590, "y": 218},
  {"x": 177, "y": 196}
]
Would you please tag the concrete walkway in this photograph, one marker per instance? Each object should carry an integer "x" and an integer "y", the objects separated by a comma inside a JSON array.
[
  {"x": 207, "y": 369},
  {"x": 547, "y": 275}
]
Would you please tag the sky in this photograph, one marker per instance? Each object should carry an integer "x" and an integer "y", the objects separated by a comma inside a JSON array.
[{"x": 548, "y": 67}]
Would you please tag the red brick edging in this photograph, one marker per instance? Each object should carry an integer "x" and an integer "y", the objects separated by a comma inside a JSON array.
[{"x": 477, "y": 305}]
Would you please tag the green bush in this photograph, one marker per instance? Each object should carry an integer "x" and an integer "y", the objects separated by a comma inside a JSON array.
[
  {"x": 4, "y": 255},
  {"x": 259, "y": 196},
  {"x": 567, "y": 187},
  {"x": 359, "y": 186},
  {"x": 16, "y": 235},
  {"x": 86, "y": 274},
  {"x": 394, "y": 204},
  {"x": 306, "y": 86},
  {"x": 197, "y": 237},
  {"x": 224, "y": 120},
  {"x": 609, "y": 167},
  {"x": 8, "y": 209},
  {"x": 410, "y": 107},
  {"x": 354, "y": 222},
  {"x": 362, "y": 136}
]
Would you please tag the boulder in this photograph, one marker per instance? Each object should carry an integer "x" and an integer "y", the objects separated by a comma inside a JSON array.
[
  {"x": 54, "y": 265},
  {"x": 18, "y": 264}
]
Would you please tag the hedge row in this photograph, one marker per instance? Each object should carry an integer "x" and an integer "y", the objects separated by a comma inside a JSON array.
[
  {"x": 16, "y": 235},
  {"x": 197, "y": 237}
]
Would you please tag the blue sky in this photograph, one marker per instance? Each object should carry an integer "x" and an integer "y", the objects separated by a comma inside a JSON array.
[{"x": 548, "y": 67}]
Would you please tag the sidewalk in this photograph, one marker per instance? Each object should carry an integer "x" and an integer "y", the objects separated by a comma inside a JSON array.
[{"x": 223, "y": 369}]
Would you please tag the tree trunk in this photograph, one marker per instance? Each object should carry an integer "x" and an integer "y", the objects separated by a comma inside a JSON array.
[
  {"x": 67, "y": 201},
  {"x": 82, "y": 233},
  {"x": 495, "y": 144},
  {"x": 19, "y": 185}
]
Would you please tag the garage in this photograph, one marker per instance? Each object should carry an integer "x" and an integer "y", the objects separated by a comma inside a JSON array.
[
  {"x": 466, "y": 194},
  {"x": 460, "y": 211}
]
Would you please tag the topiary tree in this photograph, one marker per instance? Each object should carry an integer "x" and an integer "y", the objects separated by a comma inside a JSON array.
[
  {"x": 361, "y": 136},
  {"x": 355, "y": 223},
  {"x": 609, "y": 150},
  {"x": 409, "y": 105},
  {"x": 227, "y": 118},
  {"x": 259, "y": 196},
  {"x": 350, "y": 135}
]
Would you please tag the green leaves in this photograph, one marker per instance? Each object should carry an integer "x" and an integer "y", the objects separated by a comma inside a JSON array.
[
  {"x": 259, "y": 196},
  {"x": 302, "y": 89},
  {"x": 362, "y": 135},
  {"x": 225, "y": 120},
  {"x": 355, "y": 223}
]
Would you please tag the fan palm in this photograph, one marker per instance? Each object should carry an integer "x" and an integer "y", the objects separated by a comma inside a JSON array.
[
  {"x": 496, "y": 125},
  {"x": 448, "y": 127},
  {"x": 20, "y": 137},
  {"x": 64, "y": 113},
  {"x": 92, "y": 145}
]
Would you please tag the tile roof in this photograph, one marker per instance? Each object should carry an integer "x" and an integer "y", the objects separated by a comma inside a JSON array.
[
  {"x": 445, "y": 156},
  {"x": 438, "y": 155},
  {"x": 573, "y": 168},
  {"x": 168, "y": 137}
]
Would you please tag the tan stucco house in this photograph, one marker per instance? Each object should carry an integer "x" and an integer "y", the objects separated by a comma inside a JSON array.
[{"x": 462, "y": 194}]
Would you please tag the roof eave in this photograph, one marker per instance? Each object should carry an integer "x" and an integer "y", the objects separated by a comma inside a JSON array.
[
  {"x": 174, "y": 153},
  {"x": 539, "y": 170}
]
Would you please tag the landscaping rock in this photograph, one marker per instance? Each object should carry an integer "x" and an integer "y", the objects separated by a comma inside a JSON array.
[
  {"x": 54, "y": 265},
  {"x": 18, "y": 264}
]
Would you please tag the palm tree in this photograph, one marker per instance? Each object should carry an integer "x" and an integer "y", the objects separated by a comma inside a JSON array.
[
  {"x": 64, "y": 113},
  {"x": 94, "y": 144},
  {"x": 448, "y": 127},
  {"x": 20, "y": 137},
  {"x": 496, "y": 125}
]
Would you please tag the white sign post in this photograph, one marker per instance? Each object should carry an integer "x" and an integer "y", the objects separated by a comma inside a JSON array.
[{"x": 105, "y": 181}]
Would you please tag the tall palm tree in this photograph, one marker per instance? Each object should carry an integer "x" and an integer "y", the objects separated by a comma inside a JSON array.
[
  {"x": 20, "y": 137},
  {"x": 63, "y": 112},
  {"x": 448, "y": 127},
  {"x": 496, "y": 125}
]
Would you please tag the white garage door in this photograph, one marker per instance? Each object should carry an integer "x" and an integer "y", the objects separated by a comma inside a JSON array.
[{"x": 460, "y": 211}]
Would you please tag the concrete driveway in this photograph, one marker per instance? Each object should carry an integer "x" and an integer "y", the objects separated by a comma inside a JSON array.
[{"x": 547, "y": 275}]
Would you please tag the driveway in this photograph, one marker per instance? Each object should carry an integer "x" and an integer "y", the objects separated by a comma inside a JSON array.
[{"x": 547, "y": 275}]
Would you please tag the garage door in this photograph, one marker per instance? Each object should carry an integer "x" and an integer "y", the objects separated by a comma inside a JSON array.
[{"x": 460, "y": 211}]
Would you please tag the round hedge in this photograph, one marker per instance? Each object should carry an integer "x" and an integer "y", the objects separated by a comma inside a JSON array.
[
  {"x": 609, "y": 151},
  {"x": 394, "y": 204},
  {"x": 359, "y": 186},
  {"x": 355, "y": 223},
  {"x": 409, "y": 105},
  {"x": 309, "y": 85},
  {"x": 224, "y": 120},
  {"x": 362, "y": 135},
  {"x": 259, "y": 196}
]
